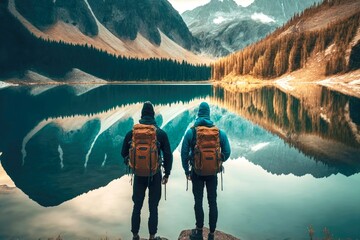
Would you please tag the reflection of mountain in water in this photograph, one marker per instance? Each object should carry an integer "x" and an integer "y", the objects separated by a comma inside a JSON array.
[
  {"x": 58, "y": 145},
  {"x": 265, "y": 149},
  {"x": 65, "y": 157},
  {"x": 326, "y": 127}
]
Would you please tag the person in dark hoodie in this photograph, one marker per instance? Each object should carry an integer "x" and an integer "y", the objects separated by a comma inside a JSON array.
[
  {"x": 153, "y": 183},
  {"x": 198, "y": 182}
]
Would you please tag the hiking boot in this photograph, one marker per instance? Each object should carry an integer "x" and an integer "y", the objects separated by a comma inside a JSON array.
[
  {"x": 211, "y": 236},
  {"x": 196, "y": 234},
  {"x": 155, "y": 238}
]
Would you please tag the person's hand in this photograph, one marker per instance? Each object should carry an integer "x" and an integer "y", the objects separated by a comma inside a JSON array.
[
  {"x": 188, "y": 177},
  {"x": 165, "y": 180}
]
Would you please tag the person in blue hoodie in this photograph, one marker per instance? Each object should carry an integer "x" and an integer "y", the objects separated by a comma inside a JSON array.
[{"x": 199, "y": 182}]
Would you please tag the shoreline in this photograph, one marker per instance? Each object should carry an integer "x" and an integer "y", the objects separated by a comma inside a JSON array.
[
  {"x": 7, "y": 83},
  {"x": 348, "y": 83}
]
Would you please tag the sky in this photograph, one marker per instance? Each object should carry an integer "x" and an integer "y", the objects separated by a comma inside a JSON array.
[{"x": 183, "y": 5}]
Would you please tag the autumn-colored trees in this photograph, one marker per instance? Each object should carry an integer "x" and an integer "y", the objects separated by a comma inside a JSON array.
[{"x": 283, "y": 52}]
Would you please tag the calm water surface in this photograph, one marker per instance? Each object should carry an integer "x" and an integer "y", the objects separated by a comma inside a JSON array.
[{"x": 295, "y": 161}]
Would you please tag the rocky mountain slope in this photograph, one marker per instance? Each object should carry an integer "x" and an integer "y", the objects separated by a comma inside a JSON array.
[
  {"x": 313, "y": 46},
  {"x": 224, "y": 27},
  {"x": 281, "y": 10},
  {"x": 130, "y": 28}
]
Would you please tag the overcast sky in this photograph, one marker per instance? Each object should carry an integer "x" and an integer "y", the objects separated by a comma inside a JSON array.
[{"x": 183, "y": 5}]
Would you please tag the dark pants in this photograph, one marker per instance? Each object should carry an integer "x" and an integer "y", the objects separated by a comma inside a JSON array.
[
  {"x": 139, "y": 188},
  {"x": 198, "y": 190}
]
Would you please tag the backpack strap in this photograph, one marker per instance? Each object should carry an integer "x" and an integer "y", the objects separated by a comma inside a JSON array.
[
  {"x": 158, "y": 145},
  {"x": 192, "y": 145},
  {"x": 193, "y": 139}
]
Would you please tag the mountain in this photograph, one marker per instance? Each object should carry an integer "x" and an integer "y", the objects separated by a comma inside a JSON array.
[
  {"x": 322, "y": 41},
  {"x": 44, "y": 13},
  {"x": 23, "y": 50},
  {"x": 224, "y": 27},
  {"x": 141, "y": 29},
  {"x": 128, "y": 18},
  {"x": 281, "y": 10}
]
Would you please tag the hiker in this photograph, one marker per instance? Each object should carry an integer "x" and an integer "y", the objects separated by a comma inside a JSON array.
[
  {"x": 204, "y": 148},
  {"x": 136, "y": 152}
]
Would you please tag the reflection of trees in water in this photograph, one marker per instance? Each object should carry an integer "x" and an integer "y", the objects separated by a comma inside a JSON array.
[
  {"x": 61, "y": 101},
  {"x": 277, "y": 110},
  {"x": 324, "y": 127},
  {"x": 42, "y": 176},
  {"x": 267, "y": 150},
  {"x": 20, "y": 111}
]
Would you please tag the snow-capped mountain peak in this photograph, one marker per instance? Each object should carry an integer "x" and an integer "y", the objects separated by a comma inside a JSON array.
[{"x": 224, "y": 27}]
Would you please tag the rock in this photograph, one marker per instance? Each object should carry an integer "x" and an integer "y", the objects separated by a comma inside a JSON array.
[
  {"x": 147, "y": 239},
  {"x": 184, "y": 235},
  {"x": 6, "y": 189}
]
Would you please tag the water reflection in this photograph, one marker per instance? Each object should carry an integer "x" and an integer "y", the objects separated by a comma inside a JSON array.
[
  {"x": 59, "y": 144},
  {"x": 324, "y": 125}
]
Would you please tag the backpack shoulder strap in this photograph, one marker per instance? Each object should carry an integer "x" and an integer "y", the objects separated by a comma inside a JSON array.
[
  {"x": 193, "y": 139},
  {"x": 157, "y": 129}
]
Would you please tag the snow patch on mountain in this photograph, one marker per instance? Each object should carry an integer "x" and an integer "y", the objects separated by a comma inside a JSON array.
[
  {"x": 219, "y": 20},
  {"x": 261, "y": 17}
]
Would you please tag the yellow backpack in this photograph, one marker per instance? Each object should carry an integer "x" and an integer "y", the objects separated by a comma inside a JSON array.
[{"x": 144, "y": 154}]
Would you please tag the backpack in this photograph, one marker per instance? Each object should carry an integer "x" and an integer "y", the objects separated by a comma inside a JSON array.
[
  {"x": 207, "y": 152},
  {"x": 144, "y": 157}
]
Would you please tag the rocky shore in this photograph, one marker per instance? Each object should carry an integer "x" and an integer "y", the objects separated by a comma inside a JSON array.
[{"x": 185, "y": 235}]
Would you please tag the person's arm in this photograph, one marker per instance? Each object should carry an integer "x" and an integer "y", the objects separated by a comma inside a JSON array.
[
  {"x": 167, "y": 154},
  {"x": 185, "y": 151},
  {"x": 225, "y": 146},
  {"x": 126, "y": 145}
]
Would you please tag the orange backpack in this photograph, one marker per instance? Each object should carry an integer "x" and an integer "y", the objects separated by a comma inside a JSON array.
[
  {"x": 207, "y": 152},
  {"x": 143, "y": 154}
]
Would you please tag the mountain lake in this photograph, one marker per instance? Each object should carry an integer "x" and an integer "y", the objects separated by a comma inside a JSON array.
[{"x": 294, "y": 165}]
